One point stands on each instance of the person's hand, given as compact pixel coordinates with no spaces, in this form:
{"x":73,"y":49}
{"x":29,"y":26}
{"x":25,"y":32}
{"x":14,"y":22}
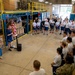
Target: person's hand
{"x":51,"y":64}
{"x":10,"y":34}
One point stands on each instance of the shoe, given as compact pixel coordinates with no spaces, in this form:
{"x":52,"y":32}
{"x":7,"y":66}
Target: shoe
{"x":60,"y":33}
{"x":15,"y":48}
{"x":9,"y":49}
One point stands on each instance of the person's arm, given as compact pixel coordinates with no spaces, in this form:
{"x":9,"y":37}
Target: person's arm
{"x":10,"y":34}
{"x":55,"y":61}
{"x":7,"y":33}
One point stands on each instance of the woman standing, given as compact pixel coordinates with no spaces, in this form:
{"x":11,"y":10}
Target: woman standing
{"x":9,"y":36}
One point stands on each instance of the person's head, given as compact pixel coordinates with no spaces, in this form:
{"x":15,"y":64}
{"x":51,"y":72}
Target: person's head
{"x":69,"y":39}
{"x":46,"y":20}
{"x":34,"y":20}
{"x":69,"y":59}
{"x":39,"y":20}
{"x":59,"y":50}
{"x":64,"y":34}
{"x":63,"y":44}
{"x":9,"y":25}
{"x":36,"y":64}
{"x":12,"y":21}
{"x":73,"y":33}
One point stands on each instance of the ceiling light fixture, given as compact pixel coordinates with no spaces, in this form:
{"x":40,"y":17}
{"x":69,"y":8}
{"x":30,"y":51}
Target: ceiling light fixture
{"x":46,"y":2}
{"x":41,"y":0}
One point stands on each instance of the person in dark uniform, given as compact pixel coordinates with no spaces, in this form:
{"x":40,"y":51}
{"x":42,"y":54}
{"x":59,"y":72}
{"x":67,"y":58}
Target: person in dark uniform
{"x":43,"y":26}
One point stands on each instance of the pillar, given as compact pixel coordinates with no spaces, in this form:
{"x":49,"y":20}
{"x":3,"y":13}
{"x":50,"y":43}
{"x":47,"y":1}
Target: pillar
{"x":49,"y":8}
{"x":73,"y":8}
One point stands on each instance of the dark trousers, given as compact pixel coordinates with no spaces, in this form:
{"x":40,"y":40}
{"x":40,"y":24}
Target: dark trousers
{"x":54,"y":69}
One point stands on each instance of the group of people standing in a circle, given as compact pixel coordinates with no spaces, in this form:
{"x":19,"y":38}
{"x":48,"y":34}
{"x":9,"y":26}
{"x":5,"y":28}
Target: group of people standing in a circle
{"x":54,"y":25}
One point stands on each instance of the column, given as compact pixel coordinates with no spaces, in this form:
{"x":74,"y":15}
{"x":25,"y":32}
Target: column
{"x":73,"y":8}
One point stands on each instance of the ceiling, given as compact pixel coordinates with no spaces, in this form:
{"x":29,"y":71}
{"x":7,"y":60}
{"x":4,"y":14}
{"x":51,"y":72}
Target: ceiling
{"x":58,"y":1}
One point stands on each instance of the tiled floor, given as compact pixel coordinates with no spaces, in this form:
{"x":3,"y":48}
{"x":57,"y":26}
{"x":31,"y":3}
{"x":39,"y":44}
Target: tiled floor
{"x":40,"y":47}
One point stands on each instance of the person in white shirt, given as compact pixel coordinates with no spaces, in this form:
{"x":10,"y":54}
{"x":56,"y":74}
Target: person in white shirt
{"x":51,"y":25}
{"x":46,"y":26}
{"x":72,"y":26}
{"x":65,"y":49}
{"x":34,"y":27}
{"x":38,"y":70}
{"x":57,"y":61}
{"x":57,"y":25}
{"x":67,"y":28}
{"x":70,"y":45}
{"x":62,"y":26}
{"x":38,"y":26}
{"x":64,"y":37}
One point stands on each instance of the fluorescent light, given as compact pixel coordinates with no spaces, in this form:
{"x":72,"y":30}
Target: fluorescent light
{"x":46,"y":2}
{"x":41,"y":0}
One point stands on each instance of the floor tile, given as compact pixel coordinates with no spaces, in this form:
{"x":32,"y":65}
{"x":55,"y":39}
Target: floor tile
{"x":6,"y":69}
